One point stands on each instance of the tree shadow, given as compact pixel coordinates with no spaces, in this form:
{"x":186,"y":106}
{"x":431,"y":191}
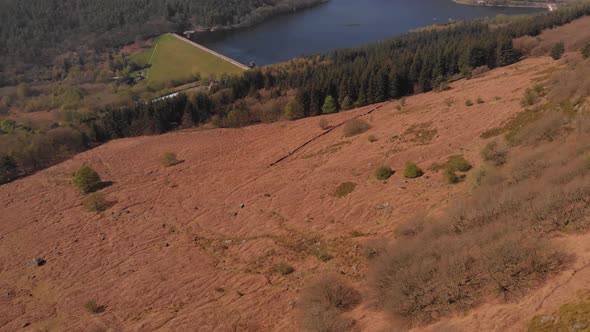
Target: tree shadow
{"x":100,"y":186}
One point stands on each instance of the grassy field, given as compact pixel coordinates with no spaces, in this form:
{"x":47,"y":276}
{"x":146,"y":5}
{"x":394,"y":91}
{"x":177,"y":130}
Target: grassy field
{"x":175,"y":60}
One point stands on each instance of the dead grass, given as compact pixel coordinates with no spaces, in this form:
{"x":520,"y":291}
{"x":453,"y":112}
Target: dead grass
{"x":571,"y":86}
{"x":546,"y":128}
{"x":328,"y":150}
{"x":421,"y":133}
{"x":514,"y":124}
{"x":323,"y":305}
{"x":569,"y":317}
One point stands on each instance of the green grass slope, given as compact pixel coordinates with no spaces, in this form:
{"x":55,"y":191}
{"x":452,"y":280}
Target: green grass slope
{"x":175,"y":60}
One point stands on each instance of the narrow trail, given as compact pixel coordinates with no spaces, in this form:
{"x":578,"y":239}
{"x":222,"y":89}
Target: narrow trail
{"x":574,"y":272}
{"x":150,"y":62}
{"x":285,"y":157}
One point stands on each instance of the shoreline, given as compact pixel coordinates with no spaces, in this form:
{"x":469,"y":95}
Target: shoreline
{"x":549,"y":6}
{"x":257,"y":20}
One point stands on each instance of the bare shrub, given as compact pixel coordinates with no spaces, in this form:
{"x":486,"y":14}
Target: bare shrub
{"x":570,"y":85}
{"x":547,"y":128}
{"x":96,"y":202}
{"x":493,"y":153}
{"x":323,"y":254}
{"x":322,"y":305}
{"x":480,"y":71}
{"x":324,"y":124}
{"x":410,"y":227}
{"x":283,"y":269}
{"x":479,"y":175}
{"x":493,"y":243}
{"x":526,"y":44}
{"x":426,"y":277}
{"x":355,"y":127}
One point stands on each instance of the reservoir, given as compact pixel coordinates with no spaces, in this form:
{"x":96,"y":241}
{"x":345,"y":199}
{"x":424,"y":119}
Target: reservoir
{"x":339,"y":24}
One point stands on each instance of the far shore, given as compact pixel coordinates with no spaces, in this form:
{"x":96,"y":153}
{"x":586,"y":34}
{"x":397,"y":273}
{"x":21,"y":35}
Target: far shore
{"x":529,"y":5}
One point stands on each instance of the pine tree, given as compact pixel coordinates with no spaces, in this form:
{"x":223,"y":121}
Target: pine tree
{"x":329,"y":105}
{"x":293,"y":111}
{"x":346,"y":103}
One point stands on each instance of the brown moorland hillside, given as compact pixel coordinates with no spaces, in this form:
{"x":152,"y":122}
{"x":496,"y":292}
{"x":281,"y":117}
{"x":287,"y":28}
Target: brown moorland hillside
{"x":222,"y":241}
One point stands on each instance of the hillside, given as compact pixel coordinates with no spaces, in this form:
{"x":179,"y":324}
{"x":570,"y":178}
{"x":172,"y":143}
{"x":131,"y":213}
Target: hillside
{"x":197,"y":244}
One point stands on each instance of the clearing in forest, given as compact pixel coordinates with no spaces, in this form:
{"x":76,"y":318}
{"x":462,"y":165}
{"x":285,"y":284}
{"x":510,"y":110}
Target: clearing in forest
{"x":173,"y":59}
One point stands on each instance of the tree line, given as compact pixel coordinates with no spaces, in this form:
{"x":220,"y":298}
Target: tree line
{"x":25,"y":150}
{"x":411,"y":63}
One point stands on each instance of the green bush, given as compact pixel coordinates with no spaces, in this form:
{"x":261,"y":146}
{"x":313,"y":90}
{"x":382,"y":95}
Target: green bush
{"x":383,"y":173}
{"x":458,"y":163}
{"x":169,"y":159}
{"x":480,"y":100}
{"x":93,"y":308}
{"x":329,"y":105}
{"x":412,"y":171}
{"x":86,"y":179}
{"x":468,"y":102}
{"x":344,"y":189}
{"x":346,"y":103}
{"x":372,"y":138}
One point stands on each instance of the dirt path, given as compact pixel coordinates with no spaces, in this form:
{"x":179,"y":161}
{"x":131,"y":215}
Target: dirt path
{"x":211,"y":52}
{"x":283,"y":158}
